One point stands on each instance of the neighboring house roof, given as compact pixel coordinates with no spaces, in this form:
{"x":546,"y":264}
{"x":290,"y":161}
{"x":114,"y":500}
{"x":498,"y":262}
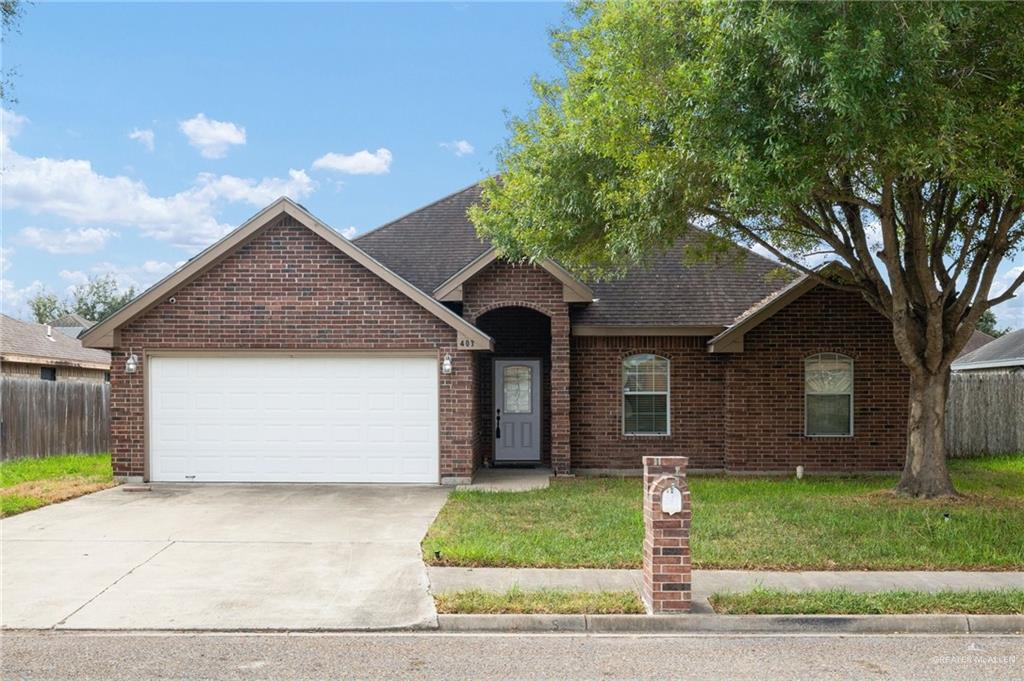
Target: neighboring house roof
{"x":104,"y":333}
{"x":432,"y":245}
{"x":71,"y":324}
{"x":977,"y":340}
{"x":1005,"y":351}
{"x":29,"y":343}
{"x":72,"y":319}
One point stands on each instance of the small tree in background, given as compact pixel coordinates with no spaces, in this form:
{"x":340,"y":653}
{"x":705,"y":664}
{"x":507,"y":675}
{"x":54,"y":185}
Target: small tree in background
{"x":46,"y":307}
{"x":96,"y":299}
{"x":99,"y":298}
{"x":886,"y":135}
{"x":988,"y":323}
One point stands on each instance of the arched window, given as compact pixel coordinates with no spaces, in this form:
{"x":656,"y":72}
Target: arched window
{"x":828,"y":395}
{"x":645,"y":387}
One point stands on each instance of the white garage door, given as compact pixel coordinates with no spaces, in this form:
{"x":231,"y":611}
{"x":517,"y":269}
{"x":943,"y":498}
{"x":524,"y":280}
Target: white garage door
{"x":311,"y":418}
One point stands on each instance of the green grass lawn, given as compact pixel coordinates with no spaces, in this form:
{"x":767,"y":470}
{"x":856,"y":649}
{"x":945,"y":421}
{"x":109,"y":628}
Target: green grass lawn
{"x":843,"y":602}
{"x":748,"y":523}
{"x":519,"y":602}
{"x":26,"y":484}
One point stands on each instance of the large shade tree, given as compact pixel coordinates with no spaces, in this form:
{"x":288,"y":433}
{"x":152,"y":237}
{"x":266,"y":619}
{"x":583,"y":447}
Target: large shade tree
{"x":888,"y":136}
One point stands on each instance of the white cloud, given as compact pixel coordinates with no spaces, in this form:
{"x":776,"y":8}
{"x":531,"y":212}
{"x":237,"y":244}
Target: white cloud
{"x":146,"y":138}
{"x":66,"y":241}
{"x":10,"y":125}
{"x":139,"y":277}
{"x":210,"y":187}
{"x":73,"y":190}
{"x":212,"y":138}
{"x":459,"y":147}
{"x":349,"y":232}
{"x":14,"y":300}
{"x":359,"y":163}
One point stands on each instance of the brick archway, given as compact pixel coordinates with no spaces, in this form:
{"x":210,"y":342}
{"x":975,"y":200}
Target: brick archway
{"x":503,"y":285}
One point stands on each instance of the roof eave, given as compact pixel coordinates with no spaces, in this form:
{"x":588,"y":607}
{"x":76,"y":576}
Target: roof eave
{"x":990,"y":364}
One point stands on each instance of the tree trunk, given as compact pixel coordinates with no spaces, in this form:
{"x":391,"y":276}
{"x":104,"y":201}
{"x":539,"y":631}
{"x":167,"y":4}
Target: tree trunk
{"x":925,"y":473}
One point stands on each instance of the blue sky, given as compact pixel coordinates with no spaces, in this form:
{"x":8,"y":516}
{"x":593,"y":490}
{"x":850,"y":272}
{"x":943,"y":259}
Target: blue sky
{"x":421,"y":89}
{"x":142,"y":132}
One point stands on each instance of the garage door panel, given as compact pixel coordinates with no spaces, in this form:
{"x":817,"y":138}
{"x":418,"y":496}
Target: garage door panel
{"x":293,"y":419}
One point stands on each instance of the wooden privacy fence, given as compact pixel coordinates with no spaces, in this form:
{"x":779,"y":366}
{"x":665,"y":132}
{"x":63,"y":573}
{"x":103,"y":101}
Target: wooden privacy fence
{"x":46,"y":418}
{"x":985,"y":414}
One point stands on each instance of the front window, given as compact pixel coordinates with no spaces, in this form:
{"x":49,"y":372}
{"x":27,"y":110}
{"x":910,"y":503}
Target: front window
{"x":518,"y":386}
{"x":645,"y":380}
{"x":828,"y":395}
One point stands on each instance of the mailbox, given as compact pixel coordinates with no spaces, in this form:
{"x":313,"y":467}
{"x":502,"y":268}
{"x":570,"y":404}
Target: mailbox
{"x":671,"y":500}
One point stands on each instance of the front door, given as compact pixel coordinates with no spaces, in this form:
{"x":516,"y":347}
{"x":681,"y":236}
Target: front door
{"x":517,"y":409}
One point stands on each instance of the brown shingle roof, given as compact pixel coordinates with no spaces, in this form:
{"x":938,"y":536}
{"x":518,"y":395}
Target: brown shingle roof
{"x":429,"y":245}
{"x":668,"y":292}
{"x":23,"y":340}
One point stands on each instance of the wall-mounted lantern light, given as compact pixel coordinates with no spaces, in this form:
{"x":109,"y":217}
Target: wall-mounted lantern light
{"x":446,"y":364}
{"x":131,"y":365}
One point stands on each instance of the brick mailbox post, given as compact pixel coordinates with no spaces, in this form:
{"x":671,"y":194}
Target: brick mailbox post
{"x":667,"y":564}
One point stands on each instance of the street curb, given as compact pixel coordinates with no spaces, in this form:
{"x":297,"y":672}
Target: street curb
{"x":740,"y":624}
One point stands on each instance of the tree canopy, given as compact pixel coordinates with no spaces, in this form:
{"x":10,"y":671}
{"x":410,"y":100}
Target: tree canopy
{"x":886,"y":135}
{"x":95,"y":299}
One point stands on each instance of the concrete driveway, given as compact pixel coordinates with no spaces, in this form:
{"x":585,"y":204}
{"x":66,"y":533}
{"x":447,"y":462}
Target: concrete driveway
{"x":222,"y":557}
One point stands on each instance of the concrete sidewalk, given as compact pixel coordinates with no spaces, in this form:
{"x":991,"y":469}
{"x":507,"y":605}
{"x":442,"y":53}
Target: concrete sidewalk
{"x":707,"y":582}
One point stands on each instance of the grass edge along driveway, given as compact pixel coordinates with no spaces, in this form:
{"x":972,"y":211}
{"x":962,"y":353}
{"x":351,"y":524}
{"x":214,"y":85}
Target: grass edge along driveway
{"x":27,"y":484}
{"x":852,"y":523}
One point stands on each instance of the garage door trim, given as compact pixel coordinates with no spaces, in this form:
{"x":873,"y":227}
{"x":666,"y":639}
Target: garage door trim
{"x":147,"y":354}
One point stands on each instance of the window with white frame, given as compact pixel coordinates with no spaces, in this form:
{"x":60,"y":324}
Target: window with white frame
{"x":645,"y":381}
{"x":828,"y":395}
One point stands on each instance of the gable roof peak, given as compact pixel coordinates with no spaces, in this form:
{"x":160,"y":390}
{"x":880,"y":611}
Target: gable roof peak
{"x":104,"y":334}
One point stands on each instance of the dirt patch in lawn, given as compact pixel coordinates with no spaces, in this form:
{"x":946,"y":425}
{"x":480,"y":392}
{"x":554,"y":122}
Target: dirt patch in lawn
{"x":32,"y":494}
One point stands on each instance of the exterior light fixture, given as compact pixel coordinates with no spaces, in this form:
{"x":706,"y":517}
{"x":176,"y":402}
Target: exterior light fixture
{"x":131,"y":365}
{"x":446,"y":364}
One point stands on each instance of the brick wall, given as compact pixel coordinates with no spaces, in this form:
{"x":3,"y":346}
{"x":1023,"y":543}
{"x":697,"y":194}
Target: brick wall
{"x":695,"y":404}
{"x":502,"y":284}
{"x":287,"y":289}
{"x":745,"y":411}
{"x":765,"y":388}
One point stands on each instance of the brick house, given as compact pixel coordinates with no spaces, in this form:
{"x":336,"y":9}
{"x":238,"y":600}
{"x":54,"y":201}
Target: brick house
{"x":412,"y":353}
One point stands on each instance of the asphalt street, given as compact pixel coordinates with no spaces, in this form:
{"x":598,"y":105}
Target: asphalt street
{"x":68,"y":655}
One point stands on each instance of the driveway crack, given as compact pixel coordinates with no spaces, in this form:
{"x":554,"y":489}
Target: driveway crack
{"x":112,"y":584}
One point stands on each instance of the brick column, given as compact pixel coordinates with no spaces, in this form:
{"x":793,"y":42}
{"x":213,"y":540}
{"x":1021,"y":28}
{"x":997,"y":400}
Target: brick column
{"x":667,"y":564}
{"x":561,"y":458}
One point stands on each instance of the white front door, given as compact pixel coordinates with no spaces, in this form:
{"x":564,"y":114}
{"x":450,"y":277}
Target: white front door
{"x":517,"y":410}
{"x":298,"y":418}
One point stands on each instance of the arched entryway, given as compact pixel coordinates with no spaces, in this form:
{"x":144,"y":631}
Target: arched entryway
{"x":516,"y":377}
